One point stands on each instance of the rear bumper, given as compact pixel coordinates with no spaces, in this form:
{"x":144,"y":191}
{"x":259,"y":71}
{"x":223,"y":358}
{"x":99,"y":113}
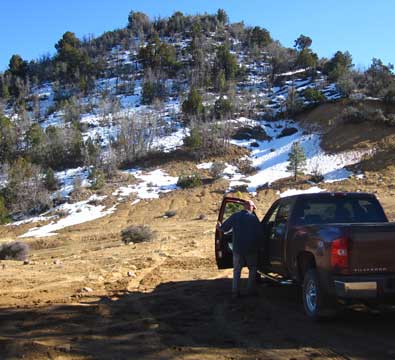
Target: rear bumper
{"x":366,"y":287}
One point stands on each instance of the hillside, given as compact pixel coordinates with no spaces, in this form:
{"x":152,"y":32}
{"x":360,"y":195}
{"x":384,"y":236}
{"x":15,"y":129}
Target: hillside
{"x":188,"y":88}
{"x":153,"y":124}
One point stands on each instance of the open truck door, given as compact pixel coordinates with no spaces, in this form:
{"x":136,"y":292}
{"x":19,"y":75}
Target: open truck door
{"x":223,"y":241}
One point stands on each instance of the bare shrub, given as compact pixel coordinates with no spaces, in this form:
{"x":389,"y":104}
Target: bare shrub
{"x":359,"y":114}
{"x":208,"y":139}
{"x":137,"y":234}
{"x":217,"y":169}
{"x":15,"y":250}
{"x":316,"y":177}
{"x":25,"y":192}
{"x":245,"y":166}
{"x":135,"y":139}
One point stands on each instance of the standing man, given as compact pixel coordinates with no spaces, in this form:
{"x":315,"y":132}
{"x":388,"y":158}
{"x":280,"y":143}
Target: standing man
{"x":246,"y":236}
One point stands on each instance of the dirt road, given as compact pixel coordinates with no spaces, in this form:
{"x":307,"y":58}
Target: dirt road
{"x":90,"y":297}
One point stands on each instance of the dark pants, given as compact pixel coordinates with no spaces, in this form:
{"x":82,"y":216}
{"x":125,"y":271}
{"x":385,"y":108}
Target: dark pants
{"x":239,"y":261}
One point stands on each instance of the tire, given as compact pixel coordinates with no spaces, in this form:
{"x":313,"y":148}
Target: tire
{"x":317,"y":303}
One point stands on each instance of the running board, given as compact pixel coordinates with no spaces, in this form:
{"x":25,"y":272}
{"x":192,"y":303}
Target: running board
{"x":277,"y":278}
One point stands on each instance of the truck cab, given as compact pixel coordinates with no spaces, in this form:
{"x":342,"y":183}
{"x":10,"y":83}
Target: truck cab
{"x":337,"y":246}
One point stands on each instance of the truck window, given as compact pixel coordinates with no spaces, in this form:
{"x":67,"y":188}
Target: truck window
{"x":273,"y":216}
{"x":281,"y":219}
{"x":283,"y":213}
{"x":231,"y":208}
{"x":339,"y":210}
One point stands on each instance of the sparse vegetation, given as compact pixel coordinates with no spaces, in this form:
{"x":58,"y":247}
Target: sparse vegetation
{"x":314,"y":95}
{"x":202,"y":61}
{"x":15,"y":250}
{"x":207,"y":140}
{"x":137,"y":234}
{"x":25,"y":192}
{"x":223,"y":108}
{"x":360,"y":114}
{"x":97,"y":178}
{"x":189,"y":181}
{"x":246,"y":167}
{"x":316,"y":176}
{"x":217,"y":169}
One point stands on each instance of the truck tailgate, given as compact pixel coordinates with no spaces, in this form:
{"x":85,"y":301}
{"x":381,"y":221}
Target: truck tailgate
{"x":372,"y":248}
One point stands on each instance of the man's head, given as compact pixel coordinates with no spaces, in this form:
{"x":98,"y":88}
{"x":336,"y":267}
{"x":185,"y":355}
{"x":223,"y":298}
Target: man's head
{"x":249,"y":206}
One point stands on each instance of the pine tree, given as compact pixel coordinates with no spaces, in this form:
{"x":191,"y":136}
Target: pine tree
{"x":303,"y":42}
{"x":4,"y":216}
{"x":50,"y":180}
{"x":8,"y":139}
{"x":193,"y":105}
{"x":297,"y":160}
{"x":222,"y":16}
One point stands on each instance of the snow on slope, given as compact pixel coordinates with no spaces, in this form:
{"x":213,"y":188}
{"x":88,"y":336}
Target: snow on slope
{"x":68,"y":178}
{"x":78,"y":213}
{"x":149,"y":185}
{"x":101,"y":121}
{"x":271,"y":157}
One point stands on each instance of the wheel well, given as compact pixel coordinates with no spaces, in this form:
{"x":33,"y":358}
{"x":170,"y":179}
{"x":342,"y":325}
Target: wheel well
{"x":306,"y":261}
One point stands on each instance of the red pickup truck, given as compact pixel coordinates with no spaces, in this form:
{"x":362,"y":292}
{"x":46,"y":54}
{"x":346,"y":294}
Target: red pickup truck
{"x":339,"y":247}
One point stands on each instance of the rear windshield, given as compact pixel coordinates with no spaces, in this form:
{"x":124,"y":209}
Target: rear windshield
{"x":338,"y":210}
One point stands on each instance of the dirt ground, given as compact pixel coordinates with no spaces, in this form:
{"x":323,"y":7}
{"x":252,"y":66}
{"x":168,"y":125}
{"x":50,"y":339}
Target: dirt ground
{"x":86,"y":295}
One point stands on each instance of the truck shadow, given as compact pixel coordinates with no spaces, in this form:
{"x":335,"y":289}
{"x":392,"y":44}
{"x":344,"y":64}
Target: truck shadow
{"x":189,"y":316}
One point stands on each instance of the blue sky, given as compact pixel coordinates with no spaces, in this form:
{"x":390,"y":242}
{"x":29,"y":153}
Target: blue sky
{"x":30,"y":28}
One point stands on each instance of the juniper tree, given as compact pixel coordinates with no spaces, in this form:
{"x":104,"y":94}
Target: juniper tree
{"x":296,"y":159}
{"x":303,"y":42}
{"x":338,"y":65}
{"x":50,"y":181}
{"x":193,"y":105}
{"x":8,"y":139}
{"x":4,"y":216}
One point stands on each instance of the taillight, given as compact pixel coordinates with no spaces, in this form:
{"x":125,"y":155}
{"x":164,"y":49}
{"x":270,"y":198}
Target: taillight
{"x":339,"y":254}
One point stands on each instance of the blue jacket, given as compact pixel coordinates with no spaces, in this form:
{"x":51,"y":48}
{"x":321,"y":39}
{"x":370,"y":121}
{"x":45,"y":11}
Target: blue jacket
{"x":247,"y":232}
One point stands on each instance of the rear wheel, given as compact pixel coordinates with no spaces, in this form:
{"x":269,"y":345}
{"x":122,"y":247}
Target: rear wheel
{"x":317,"y":303}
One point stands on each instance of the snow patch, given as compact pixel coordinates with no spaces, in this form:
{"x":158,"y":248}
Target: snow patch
{"x":78,"y":213}
{"x":270,"y":158}
{"x":67,"y":179}
{"x":149,"y":185}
